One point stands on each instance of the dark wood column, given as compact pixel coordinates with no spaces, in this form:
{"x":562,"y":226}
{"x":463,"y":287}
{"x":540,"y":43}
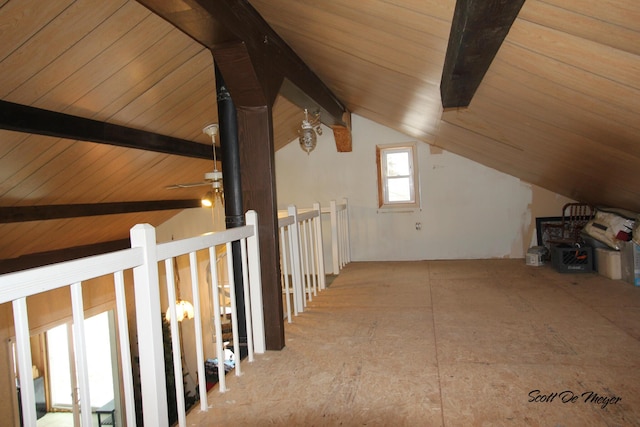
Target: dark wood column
{"x":259,"y":193}
{"x":257,"y":65}
{"x":253,"y":88}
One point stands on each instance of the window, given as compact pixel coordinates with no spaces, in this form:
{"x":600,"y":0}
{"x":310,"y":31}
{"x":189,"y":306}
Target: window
{"x":398,"y":184}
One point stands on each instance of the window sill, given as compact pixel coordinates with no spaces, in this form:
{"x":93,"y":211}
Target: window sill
{"x":398,"y":209}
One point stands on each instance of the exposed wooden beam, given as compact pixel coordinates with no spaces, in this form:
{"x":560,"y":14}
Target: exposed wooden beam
{"x":247,"y":87}
{"x":296,"y":91}
{"x":479,"y":27}
{"x":23,"y":118}
{"x":217,"y":23}
{"x":47,"y":212}
{"x":51,"y":257}
{"x":342,"y":135}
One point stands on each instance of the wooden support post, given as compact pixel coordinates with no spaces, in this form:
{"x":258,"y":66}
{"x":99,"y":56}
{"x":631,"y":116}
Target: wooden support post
{"x":257,"y":158}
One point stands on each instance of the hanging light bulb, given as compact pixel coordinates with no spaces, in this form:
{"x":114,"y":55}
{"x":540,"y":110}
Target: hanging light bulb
{"x":207,"y":200}
{"x":217,"y":192}
{"x":308,"y":130}
{"x":184,"y":310}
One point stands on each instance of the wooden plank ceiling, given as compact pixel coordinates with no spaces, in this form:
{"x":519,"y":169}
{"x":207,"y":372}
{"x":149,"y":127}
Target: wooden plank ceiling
{"x":559,"y":106}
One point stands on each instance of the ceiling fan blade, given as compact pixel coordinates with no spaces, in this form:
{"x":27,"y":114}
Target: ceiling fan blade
{"x":187,"y":185}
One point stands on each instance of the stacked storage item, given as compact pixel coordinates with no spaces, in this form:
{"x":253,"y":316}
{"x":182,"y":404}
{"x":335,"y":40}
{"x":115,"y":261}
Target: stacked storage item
{"x":571,"y":259}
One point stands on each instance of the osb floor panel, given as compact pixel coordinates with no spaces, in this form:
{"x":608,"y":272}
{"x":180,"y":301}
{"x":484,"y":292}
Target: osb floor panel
{"x":448,"y":343}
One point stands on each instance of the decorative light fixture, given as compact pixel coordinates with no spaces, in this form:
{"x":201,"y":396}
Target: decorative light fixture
{"x":184,"y":309}
{"x":308,"y":130}
{"x":207,"y":200}
{"x":215,"y":177}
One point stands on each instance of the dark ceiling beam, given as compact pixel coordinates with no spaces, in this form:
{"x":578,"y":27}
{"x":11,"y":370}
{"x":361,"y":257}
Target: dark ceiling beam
{"x":23,"y":118}
{"x":46,"y":212}
{"x":215,"y":24}
{"x":39,"y":259}
{"x":479,"y":27}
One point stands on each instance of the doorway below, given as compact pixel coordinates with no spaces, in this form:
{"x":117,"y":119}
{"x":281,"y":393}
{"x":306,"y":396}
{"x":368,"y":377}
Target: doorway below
{"x":60,"y":357}
{"x":55,"y":377}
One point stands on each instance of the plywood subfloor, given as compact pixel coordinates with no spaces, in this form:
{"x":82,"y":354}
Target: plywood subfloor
{"x":448,"y":343}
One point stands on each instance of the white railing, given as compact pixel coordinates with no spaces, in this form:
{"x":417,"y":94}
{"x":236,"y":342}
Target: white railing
{"x":289,"y":264}
{"x":340,"y":233}
{"x":301,"y":257}
{"x":302,"y":254}
{"x":340,"y":249}
{"x":143,"y":258}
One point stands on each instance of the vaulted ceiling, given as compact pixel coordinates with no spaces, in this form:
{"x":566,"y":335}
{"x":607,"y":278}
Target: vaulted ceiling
{"x":559,"y":106}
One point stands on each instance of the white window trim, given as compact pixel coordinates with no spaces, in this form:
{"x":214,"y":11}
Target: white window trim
{"x":383,"y":203}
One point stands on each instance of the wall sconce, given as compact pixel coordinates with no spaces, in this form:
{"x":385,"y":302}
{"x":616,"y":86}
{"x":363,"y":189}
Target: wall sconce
{"x":308,"y":130}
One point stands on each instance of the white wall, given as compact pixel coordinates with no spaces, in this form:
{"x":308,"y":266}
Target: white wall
{"x":468,"y":210}
{"x":191,"y":223}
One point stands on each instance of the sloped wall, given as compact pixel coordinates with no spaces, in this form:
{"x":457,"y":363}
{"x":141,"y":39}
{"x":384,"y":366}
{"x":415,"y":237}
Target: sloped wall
{"x":468,"y":211}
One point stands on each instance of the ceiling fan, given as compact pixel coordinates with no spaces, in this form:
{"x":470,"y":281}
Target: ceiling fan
{"x":214,"y":178}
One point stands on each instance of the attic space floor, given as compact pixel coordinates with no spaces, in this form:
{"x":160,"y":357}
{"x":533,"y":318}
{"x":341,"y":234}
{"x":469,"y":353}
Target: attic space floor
{"x":448,"y":343}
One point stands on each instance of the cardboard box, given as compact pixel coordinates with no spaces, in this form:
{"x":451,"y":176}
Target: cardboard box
{"x":609,"y":263}
{"x":630,"y":262}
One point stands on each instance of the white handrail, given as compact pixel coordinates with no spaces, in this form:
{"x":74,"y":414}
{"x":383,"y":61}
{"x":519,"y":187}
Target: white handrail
{"x":23,"y":350}
{"x":217,"y":324}
{"x":296,"y":259}
{"x":247,"y":301}
{"x":125,"y":350}
{"x":149,"y":328}
{"x":255,"y":282}
{"x":234,"y":311}
{"x":143,"y":258}
{"x":49,"y":277}
{"x":340,"y":246}
{"x":175,"y":342}
{"x":317,"y":221}
{"x":304,"y":259}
